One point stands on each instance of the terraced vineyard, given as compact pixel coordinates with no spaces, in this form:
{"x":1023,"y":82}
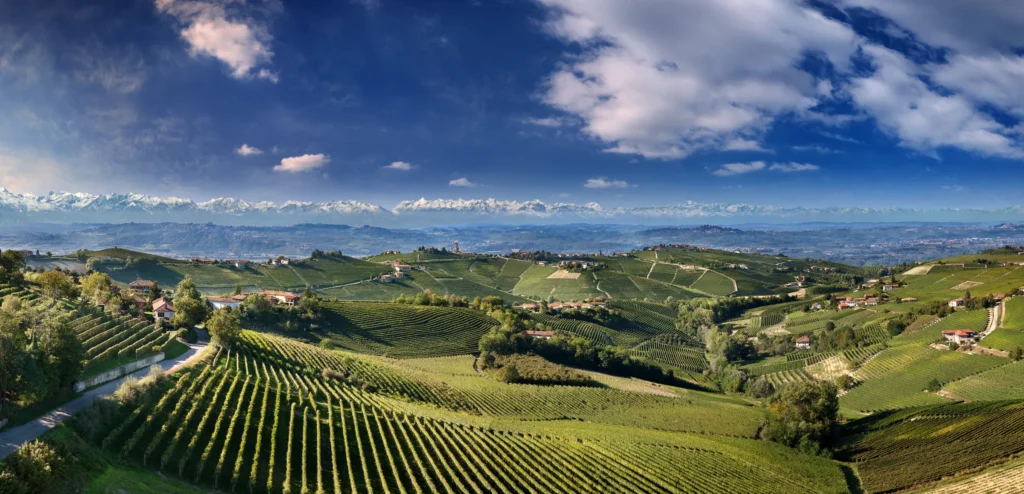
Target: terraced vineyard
{"x":114,"y":340}
{"x":888,"y":449}
{"x":672,"y":352}
{"x":401,"y":330}
{"x":254,"y":422}
{"x":1001,"y":383}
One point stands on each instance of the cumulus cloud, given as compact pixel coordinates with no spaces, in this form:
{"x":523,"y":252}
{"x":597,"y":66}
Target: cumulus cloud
{"x":247,"y":150}
{"x":400,"y":165}
{"x":240,"y":42}
{"x":793,"y":167}
{"x":667,"y":79}
{"x":925,"y":119}
{"x":302,"y":163}
{"x":815,"y":148}
{"x":604,"y":183}
{"x":730,"y":169}
{"x":461,"y":182}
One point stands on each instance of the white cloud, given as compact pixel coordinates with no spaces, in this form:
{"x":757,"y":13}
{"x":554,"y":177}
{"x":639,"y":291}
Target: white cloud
{"x":923,"y":119}
{"x":604,"y":183}
{"x":793,"y":167}
{"x":400,"y":165}
{"x":238,"y":41}
{"x":740,"y":144}
{"x":247,"y":150}
{"x":461,"y":182}
{"x":666,"y":79}
{"x":302,"y":163}
{"x":730,"y":169}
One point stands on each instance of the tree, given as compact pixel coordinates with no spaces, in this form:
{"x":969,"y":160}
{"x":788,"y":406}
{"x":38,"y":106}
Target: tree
{"x":237,"y":290}
{"x":804,"y":415}
{"x":13,"y":358}
{"x":844,"y":381}
{"x":1016,"y":354}
{"x":934,"y":385}
{"x":11,"y":265}
{"x":97,"y":288}
{"x":12,"y":304}
{"x":309,"y":304}
{"x":225,"y":325}
{"x":59,"y":350}
{"x":186,"y":290}
{"x":56,"y":284}
{"x":189,"y":312}
{"x":155,"y":292}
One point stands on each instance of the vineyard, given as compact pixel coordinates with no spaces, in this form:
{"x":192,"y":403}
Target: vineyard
{"x":401,"y":330}
{"x":108,"y":341}
{"x":672,"y":352}
{"x":889,"y":448}
{"x":240,"y":422}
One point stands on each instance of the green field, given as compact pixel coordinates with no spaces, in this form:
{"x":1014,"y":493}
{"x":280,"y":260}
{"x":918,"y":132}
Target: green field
{"x":401,"y":330}
{"x":714,"y":283}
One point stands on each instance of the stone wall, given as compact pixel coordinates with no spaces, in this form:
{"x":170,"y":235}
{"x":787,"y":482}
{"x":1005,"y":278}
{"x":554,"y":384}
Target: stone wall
{"x":112,"y":374}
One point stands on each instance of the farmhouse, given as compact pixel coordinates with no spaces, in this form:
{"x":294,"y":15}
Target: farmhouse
{"x":279,"y":297}
{"x":141,"y":286}
{"x":908,"y":299}
{"x":803,"y":343}
{"x":889,"y":287}
{"x":539,"y":334}
{"x":402,"y":268}
{"x":530,"y":307}
{"x":163,"y":308}
{"x":140,"y":303}
{"x":960,"y":336}
{"x":386,"y":278}
{"x":957,"y":302}
{"x":222,"y":302}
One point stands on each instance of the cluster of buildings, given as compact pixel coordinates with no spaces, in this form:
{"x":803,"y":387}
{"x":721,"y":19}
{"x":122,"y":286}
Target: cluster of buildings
{"x":869,"y":299}
{"x":560,"y":306}
{"x":163,"y":307}
{"x":238,"y":263}
{"x":399,"y":271}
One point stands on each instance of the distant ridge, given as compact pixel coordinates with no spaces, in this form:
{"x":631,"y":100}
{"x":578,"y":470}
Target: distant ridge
{"x":66,"y":207}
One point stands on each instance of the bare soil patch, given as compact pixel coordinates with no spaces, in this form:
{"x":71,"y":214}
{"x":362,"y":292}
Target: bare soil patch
{"x":562,"y":274}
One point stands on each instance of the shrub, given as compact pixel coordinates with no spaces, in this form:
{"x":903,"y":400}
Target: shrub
{"x":95,"y":420}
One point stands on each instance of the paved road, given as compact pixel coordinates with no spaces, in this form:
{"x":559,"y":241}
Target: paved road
{"x":15,"y":437}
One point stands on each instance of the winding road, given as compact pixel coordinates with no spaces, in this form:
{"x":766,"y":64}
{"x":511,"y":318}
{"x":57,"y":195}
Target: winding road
{"x":15,"y":437}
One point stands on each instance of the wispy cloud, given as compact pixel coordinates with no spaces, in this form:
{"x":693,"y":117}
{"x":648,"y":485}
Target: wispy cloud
{"x":552,"y":122}
{"x":793,"y":167}
{"x":302,"y":163}
{"x":604,"y":183}
{"x":400,"y":165}
{"x":815,"y":148}
{"x":740,"y":144}
{"x":461,"y":182}
{"x":730,"y":169}
{"x":247,"y":150}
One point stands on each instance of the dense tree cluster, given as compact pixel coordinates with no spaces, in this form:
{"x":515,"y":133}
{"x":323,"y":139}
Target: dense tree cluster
{"x":804,"y":415}
{"x":320,"y":254}
{"x":40,"y":353}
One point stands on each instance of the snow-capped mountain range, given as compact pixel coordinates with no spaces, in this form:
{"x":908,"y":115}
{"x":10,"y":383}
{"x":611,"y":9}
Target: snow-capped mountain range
{"x":67,"y":207}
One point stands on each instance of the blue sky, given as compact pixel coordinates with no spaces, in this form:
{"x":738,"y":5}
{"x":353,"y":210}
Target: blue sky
{"x":843,"y":103}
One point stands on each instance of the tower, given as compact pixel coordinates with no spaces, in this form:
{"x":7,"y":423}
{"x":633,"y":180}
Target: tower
{"x":456,"y":247}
